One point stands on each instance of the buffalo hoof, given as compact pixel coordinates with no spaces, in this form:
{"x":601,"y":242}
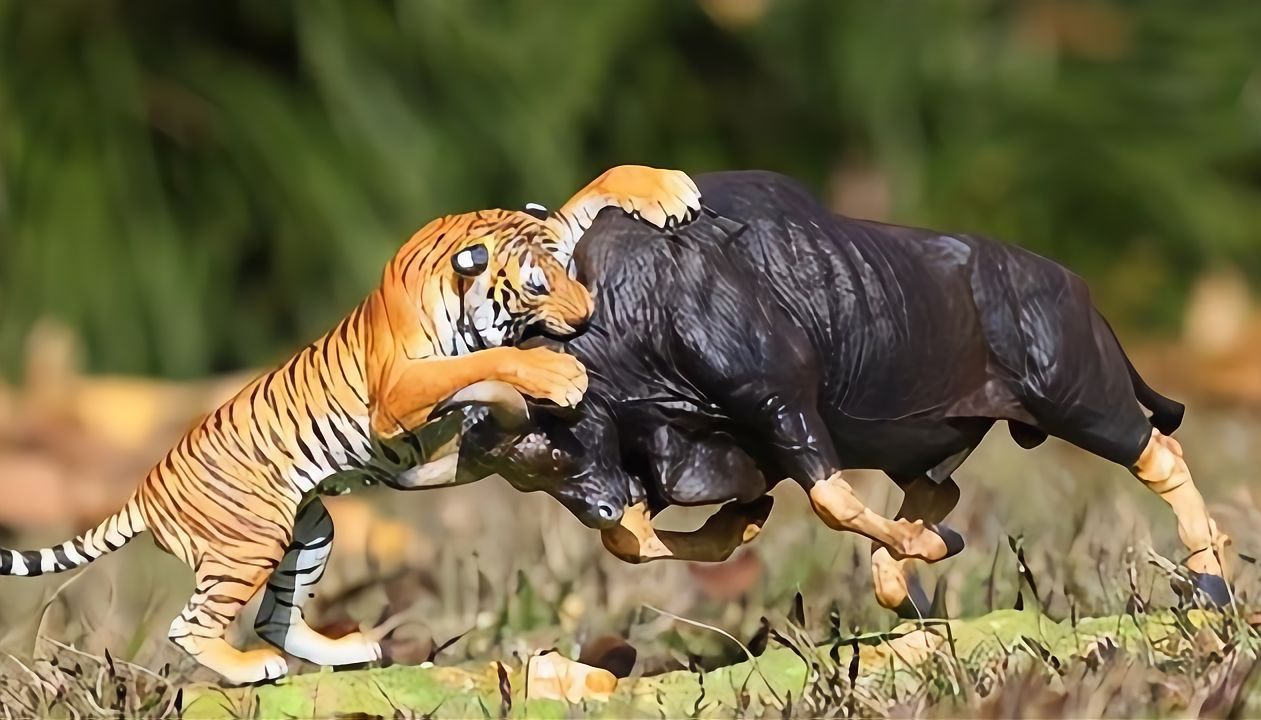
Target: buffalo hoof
{"x":953,"y":540}
{"x":916,"y":605}
{"x":1211,"y":587}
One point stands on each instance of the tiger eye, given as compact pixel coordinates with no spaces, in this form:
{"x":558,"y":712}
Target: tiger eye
{"x":471,"y":261}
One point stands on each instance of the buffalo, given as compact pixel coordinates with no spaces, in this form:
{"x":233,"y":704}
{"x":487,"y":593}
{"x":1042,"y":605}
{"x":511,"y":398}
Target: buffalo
{"x":771,"y":339}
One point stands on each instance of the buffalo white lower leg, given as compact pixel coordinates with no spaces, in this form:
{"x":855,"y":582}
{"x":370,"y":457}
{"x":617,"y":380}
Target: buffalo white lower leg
{"x":923,"y":500}
{"x":635,"y":540}
{"x":1164,"y":471}
{"x":836,"y":504}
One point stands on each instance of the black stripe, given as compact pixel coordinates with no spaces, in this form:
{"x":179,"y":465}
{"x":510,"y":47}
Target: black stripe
{"x":221,"y":618}
{"x":254,"y":433}
{"x":389,"y":453}
{"x":63,"y":560}
{"x":281,"y":601}
{"x":456,"y":327}
{"x":435,"y":245}
{"x":194,"y":620}
{"x":333,"y":463}
{"x":34,"y":568}
{"x":316,"y":545}
{"x":6,"y":562}
{"x":277,"y":444}
{"x":297,"y":433}
{"x":195,"y":453}
{"x":228,"y":529}
{"x":341,"y":437}
{"x":246,"y":514}
{"x":304,"y":475}
{"x":181,"y":518}
{"x":225,"y":599}
{"x":234,"y":451}
{"x":274,"y":585}
{"x":300,"y":571}
{"x":272,"y":502}
{"x":326,"y":344}
{"x":210,"y":581}
{"x":302,"y":445}
{"x":261,"y":457}
{"x":267,"y":390}
{"x":291,"y":369}
{"x":258,"y":387}
{"x":343,"y":337}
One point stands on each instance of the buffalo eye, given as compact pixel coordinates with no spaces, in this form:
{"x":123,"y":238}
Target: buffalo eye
{"x":471,"y":261}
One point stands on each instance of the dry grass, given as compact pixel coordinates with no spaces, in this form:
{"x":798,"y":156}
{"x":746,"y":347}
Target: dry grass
{"x":512,"y":573}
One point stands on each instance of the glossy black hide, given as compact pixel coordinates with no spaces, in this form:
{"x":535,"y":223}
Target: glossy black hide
{"x":771,"y":339}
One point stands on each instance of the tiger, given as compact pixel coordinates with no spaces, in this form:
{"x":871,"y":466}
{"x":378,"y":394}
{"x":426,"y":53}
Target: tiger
{"x":237,"y":498}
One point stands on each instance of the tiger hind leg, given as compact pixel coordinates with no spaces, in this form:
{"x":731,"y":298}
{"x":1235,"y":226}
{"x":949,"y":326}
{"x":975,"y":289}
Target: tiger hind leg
{"x":280,"y":618}
{"x":223,"y":587}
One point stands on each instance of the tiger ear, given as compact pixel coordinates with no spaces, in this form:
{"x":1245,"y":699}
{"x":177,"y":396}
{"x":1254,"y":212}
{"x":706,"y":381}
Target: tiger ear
{"x":471,"y":261}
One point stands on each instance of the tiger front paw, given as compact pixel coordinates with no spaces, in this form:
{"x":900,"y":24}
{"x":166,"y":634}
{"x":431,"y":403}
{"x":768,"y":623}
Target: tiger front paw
{"x":663,"y":198}
{"x":548,"y":375}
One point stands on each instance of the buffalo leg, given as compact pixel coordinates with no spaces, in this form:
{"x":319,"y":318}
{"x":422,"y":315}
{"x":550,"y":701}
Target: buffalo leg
{"x":929,"y":502}
{"x":836,"y":504}
{"x":807,"y":455}
{"x":1163,"y":470}
{"x":635,"y":540}
{"x":803,"y":451}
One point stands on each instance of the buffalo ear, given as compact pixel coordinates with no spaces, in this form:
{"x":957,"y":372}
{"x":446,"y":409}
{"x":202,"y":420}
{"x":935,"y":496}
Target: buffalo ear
{"x":471,"y":261}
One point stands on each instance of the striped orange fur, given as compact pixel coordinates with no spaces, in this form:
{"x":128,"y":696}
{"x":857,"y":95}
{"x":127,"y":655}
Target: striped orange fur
{"x":237,"y":498}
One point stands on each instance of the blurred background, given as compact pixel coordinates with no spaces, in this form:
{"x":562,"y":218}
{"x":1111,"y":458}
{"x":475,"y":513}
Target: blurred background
{"x":188,"y":191}
{"x":198,"y":187}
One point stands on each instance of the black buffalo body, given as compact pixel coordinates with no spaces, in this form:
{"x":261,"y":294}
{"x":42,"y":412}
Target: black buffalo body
{"x":771,"y":339}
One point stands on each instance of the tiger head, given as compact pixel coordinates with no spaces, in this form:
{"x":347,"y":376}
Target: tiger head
{"x":491,"y":278}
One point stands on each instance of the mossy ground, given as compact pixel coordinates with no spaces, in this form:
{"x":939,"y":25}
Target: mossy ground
{"x":813,"y":676}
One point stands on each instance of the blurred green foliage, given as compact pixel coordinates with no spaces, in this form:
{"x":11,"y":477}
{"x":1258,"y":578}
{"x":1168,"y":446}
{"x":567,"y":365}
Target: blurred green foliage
{"x":198,"y":186}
